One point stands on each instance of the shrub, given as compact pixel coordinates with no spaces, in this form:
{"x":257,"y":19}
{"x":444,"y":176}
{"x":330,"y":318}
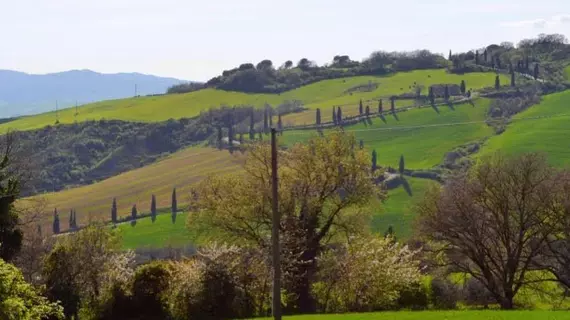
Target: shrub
{"x":366,"y":274}
{"x":444,"y":294}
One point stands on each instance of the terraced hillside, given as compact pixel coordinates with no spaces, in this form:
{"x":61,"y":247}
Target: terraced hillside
{"x":543,"y":127}
{"x":323,"y":94}
{"x":422,"y":136}
{"x":181,"y":170}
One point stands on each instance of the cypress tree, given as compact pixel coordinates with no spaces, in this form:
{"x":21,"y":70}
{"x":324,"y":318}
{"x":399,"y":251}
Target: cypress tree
{"x":260,"y":136}
{"x":485,"y":55}
{"x":74,"y":219}
{"x":360,"y":108}
{"x":393,"y":103}
{"x":251,"y":126}
{"x":476,"y":57}
{"x":367,"y":111}
{"x":134,"y":215}
{"x":279,"y":122}
{"x":462,"y":87}
{"x":374,"y":160}
{"x":339,"y":116}
{"x":498,"y":62}
{"x":334,"y":116}
{"x":446,"y":93}
{"x":431,"y":96}
{"x":402,"y":165}
{"x":174,"y":205}
{"x":527,"y":66}
{"x":390,"y":233}
{"x":318,"y":117}
{"x":231,"y":137}
{"x":71,"y":219}
{"x":153,"y":208}
{"x":220,"y":137}
{"x":55,"y":222}
{"x":449,"y":58}
{"x":535,"y":71}
{"x":380,"y":109}
{"x":270,"y":116}
{"x":265,"y":121}
{"x":241,"y":138}
{"x":497,"y":82}
{"x":114,"y":211}
{"x":513,"y":79}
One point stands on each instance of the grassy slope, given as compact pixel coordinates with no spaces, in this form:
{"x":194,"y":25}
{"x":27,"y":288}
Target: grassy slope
{"x":567,"y":71}
{"x":395,"y":211}
{"x":422,"y":147}
{"x":549,"y":135}
{"x":161,"y":233}
{"x":181,"y":169}
{"x":446,"y":315}
{"x":322,"y":94}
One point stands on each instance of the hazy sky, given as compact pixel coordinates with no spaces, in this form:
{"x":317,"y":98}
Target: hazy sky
{"x":196,"y":40}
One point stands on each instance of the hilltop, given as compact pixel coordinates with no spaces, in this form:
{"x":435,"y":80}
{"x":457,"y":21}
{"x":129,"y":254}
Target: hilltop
{"x":323,"y":94}
{"x":23,"y":94}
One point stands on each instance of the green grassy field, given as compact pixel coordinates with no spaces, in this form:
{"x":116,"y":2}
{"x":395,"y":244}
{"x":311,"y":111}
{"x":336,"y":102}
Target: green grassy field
{"x":548,"y":135}
{"x":422,"y":136}
{"x":323,"y":94}
{"x":443,"y":315}
{"x":182,"y":169}
{"x":162,"y":233}
{"x":396,"y":211}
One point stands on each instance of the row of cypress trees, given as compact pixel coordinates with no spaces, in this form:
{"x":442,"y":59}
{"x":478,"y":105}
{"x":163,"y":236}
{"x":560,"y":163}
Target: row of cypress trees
{"x":153,"y":209}
{"x":56,"y":227}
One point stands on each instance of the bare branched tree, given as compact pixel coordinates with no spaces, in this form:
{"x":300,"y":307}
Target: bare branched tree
{"x":494,"y":222}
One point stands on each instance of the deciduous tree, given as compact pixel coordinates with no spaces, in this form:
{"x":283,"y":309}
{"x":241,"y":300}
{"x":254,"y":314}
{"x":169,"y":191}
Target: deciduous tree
{"x":493,"y":223}
{"x":20,"y":300}
{"x":10,"y":183}
{"x":322,"y":185}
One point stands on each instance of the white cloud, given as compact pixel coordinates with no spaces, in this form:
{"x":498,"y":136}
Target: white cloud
{"x":554,"y":21}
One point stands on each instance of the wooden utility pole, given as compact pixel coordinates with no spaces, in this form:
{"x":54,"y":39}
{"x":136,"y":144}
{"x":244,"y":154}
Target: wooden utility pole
{"x":275,"y":230}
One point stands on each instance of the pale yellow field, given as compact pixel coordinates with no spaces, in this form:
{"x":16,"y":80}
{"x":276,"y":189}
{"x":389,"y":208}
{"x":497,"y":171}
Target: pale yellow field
{"x":181,"y":170}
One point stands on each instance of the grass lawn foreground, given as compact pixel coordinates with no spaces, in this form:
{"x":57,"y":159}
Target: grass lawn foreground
{"x":442,"y":315}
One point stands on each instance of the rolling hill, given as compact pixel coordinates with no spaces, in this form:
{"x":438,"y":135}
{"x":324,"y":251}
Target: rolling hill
{"x":543,"y":127}
{"x":24,"y":94}
{"x":422,"y":136}
{"x":180,"y":170}
{"x":396,"y":211}
{"x":323,"y":94}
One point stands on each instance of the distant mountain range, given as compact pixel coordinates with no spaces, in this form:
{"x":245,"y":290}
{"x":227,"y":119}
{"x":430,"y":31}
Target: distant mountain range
{"x":24,"y":94}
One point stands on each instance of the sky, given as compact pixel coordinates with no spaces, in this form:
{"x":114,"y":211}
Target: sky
{"x":198,"y":39}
